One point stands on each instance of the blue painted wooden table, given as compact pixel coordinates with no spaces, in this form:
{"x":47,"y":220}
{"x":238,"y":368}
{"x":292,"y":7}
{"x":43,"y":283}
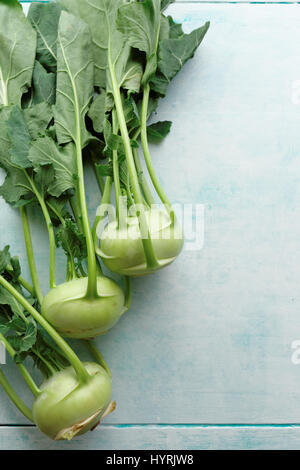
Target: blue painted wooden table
{"x":205,"y":358}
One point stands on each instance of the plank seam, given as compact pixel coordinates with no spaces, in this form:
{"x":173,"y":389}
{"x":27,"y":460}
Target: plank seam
{"x":182,"y":426}
{"x":221,"y":2}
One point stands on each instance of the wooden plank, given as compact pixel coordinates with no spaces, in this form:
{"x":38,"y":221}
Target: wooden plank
{"x":209,"y":339}
{"x":158,"y":438}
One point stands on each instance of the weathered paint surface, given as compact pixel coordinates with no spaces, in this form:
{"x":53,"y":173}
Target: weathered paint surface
{"x":208,"y":340}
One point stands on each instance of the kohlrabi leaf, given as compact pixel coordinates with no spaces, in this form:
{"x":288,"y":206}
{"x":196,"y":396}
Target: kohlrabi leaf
{"x":57,"y":206}
{"x":93,"y":13}
{"x":17,"y":53}
{"x":100,"y":15}
{"x":140,"y":23}
{"x":25,"y":341}
{"x":173,"y":54}
{"x":165,"y":4}
{"x":112,"y":141}
{"x":44,"y":151}
{"x":43,"y":86}
{"x":131,"y":113}
{"x":23,"y":126}
{"x":75,"y":80}
{"x":175,"y":29}
{"x":4,"y":259}
{"x":19,"y":132}
{"x":100,"y":106}
{"x":16,"y":184}
{"x":9,"y":300}
{"x":72,"y":241}
{"x":44,"y":19}
{"x":38,"y":118}
{"x":158,"y":131}
{"x":19,"y":137}
{"x":43,"y":179}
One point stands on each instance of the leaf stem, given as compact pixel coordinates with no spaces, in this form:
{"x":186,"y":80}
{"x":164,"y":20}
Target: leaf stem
{"x":146,"y":190}
{"x":98,"y":356}
{"x":116,"y":168}
{"x":24,"y":372}
{"x":145,"y":147}
{"x":92,"y":263}
{"x":99,"y":177}
{"x":50,"y":230}
{"x":82,"y":373}
{"x":76,"y":212}
{"x":105,"y":200}
{"x":27,"y":286}
{"x":30,"y":256}
{"x":47,"y":364}
{"x":151,"y":259}
{"x":14,"y":397}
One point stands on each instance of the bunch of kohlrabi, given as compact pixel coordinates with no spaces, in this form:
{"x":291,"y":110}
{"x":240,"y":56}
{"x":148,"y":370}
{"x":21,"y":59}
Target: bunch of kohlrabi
{"x":79,"y":80}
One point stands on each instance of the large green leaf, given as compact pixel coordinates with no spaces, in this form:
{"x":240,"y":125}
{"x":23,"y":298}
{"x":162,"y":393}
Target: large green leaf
{"x":43,"y":87}
{"x":44,"y":19}
{"x":18,"y":128}
{"x":140,"y":23}
{"x":38,"y":118}
{"x":75,"y":79}
{"x":19,"y":137}
{"x":165,"y":4}
{"x":174,"y":53}
{"x":108,"y":42}
{"x":17,"y":53}
{"x":44,"y":151}
{"x":97,"y":111}
{"x":16,"y":184}
{"x":158,"y":131}
{"x":24,"y":342}
{"x":72,"y":241}
{"x":4,"y":258}
{"x":23,"y":126}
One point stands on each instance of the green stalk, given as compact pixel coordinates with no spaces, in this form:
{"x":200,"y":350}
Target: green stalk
{"x":92,"y":292}
{"x":98,"y":356}
{"x":105,"y":200}
{"x":145,"y":147}
{"x":82,"y":373}
{"x":70,"y":262}
{"x":99,"y":177}
{"x":30,"y":256}
{"x":14,"y":397}
{"x":50,"y":230}
{"x":47,"y":364}
{"x":27,"y":286}
{"x":92,"y":264}
{"x":76,"y":212}
{"x":116,"y":167}
{"x":26,"y":376}
{"x":150,"y":256}
{"x":146,"y":190}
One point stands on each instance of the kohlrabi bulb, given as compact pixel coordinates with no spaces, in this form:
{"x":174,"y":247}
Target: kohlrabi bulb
{"x":122,"y":249}
{"x":65,"y":408}
{"x":73,"y":315}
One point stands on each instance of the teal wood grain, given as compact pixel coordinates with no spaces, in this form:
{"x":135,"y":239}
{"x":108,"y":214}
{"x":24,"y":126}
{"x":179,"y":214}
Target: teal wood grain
{"x":151,"y":437}
{"x":208,"y":340}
